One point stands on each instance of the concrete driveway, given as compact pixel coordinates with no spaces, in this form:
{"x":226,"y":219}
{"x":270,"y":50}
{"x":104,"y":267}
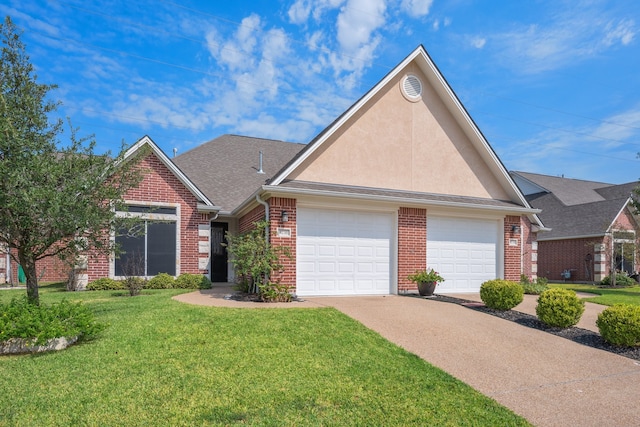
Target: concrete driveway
{"x":548,"y":380}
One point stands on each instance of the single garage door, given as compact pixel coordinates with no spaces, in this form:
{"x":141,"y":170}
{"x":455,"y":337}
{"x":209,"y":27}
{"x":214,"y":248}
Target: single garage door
{"x":343,"y":252}
{"x":464,"y":252}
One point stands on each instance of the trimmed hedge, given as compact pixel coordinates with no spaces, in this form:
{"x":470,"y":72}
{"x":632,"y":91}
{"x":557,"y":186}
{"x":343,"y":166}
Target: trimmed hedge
{"x":105,"y":284}
{"x":192,"y":281}
{"x":161,"y":281}
{"x":501,"y":294}
{"x":559,"y":308}
{"x":620,"y":325}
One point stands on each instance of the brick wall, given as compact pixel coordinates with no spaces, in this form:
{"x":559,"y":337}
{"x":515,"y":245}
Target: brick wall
{"x":412,"y":245}
{"x":576,"y":255}
{"x":276,"y":206}
{"x":160,"y":185}
{"x":513,"y":245}
{"x":247,"y":220}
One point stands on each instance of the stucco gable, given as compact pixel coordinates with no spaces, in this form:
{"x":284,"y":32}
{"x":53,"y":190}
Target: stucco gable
{"x":387,"y":140}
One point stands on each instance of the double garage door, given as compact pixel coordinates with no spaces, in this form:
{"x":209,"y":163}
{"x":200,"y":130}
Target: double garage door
{"x":343,"y":252}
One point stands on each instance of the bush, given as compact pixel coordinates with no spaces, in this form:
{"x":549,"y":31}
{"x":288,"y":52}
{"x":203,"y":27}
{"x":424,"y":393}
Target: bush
{"x":20,"y":319}
{"x":105,"y":284}
{"x":559,"y":308}
{"x":161,"y":281}
{"x":620,"y":325}
{"x":134,"y":285}
{"x":501,"y":294}
{"x":192,"y":281}
{"x":535,"y":287}
{"x":621,"y":280}
{"x":275,"y":292}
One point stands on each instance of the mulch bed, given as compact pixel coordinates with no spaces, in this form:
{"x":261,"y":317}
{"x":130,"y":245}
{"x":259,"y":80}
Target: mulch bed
{"x":578,"y":335}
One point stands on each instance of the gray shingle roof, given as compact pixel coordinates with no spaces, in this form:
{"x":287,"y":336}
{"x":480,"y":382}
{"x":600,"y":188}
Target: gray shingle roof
{"x":576,"y":208}
{"x":226,"y":168}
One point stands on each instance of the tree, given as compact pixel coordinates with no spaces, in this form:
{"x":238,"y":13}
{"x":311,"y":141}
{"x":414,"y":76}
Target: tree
{"x":55,"y":199}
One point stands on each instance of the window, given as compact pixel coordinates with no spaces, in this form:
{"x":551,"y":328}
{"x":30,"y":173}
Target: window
{"x":149,"y":252}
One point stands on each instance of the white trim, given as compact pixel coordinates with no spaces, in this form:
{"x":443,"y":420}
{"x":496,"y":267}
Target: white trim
{"x":626,"y":204}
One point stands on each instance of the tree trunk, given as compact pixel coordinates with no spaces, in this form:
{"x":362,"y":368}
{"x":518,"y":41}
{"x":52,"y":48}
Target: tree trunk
{"x":29,"y":268}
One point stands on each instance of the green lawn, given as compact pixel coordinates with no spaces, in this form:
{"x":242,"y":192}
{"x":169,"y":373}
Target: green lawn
{"x":606,"y":296}
{"x":161,"y":362}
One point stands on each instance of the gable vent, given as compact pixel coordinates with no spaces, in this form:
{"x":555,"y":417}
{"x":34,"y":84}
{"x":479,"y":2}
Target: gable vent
{"x":412,"y":86}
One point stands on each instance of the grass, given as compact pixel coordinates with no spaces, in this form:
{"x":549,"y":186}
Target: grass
{"x":162,"y":362}
{"x":606,"y":296}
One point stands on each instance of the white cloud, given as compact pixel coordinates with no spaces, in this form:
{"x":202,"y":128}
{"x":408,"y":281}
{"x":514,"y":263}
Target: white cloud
{"x":570,"y":36}
{"x":478,"y":42}
{"x":416,"y":8}
{"x":299,"y":11}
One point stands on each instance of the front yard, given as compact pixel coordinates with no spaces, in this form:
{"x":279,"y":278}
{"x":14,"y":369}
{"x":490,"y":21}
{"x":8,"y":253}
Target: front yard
{"x":161,"y":362}
{"x":606,"y":296}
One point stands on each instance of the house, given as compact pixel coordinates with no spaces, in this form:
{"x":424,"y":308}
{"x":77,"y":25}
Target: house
{"x":584,"y":218}
{"x":402,"y":180}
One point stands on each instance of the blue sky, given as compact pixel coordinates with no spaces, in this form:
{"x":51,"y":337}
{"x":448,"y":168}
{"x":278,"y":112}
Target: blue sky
{"x":553,"y":85}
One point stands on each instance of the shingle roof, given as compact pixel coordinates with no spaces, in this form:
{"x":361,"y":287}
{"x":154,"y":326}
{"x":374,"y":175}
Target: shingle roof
{"x":226,"y":168}
{"x":576,"y":208}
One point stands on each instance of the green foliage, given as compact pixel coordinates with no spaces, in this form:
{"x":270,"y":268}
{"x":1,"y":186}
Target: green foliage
{"x":50,"y":191}
{"x":426,"y":276}
{"x":620,"y":325}
{"x":20,"y":319}
{"x":253,"y":257}
{"x":105,"y":284}
{"x":622,"y":280}
{"x":275,"y":292}
{"x":192,"y":281}
{"x":533,"y":287}
{"x":501,"y":294}
{"x":559,"y":308}
{"x":161,"y":281}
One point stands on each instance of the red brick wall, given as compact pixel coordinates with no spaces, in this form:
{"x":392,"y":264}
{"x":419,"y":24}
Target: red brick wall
{"x":247,"y":220}
{"x":160,"y":185}
{"x":513,"y":260}
{"x":529,"y":250}
{"x":555,"y":256}
{"x":412,"y":245}
{"x":276,"y":206}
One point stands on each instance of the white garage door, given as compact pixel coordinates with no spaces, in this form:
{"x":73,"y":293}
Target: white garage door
{"x":343,"y":252}
{"x":464,"y":252}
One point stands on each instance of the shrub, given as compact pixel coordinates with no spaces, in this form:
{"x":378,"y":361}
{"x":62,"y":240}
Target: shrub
{"x":20,"y":319}
{"x":192,"y":281}
{"x":275,"y":292}
{"x":161,"y":281}
{"x":535,"y":287}
{"x":620,"y":325}
{"x":621,"y":280}
{"x":501,"y":294}
{"x":559,"y":307}
{"x":134,"y":285}
{"x":105,"y":284}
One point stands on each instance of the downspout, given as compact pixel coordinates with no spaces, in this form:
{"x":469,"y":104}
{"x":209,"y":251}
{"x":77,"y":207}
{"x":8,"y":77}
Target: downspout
{"x":266,"y":215}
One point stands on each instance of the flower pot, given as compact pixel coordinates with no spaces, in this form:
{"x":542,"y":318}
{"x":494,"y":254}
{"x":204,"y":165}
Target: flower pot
{"x":426,"y":289}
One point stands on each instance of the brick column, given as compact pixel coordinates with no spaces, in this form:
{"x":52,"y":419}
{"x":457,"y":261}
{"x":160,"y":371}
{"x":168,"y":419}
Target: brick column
{"x":412,"y":245}
{"x":284,"y":234}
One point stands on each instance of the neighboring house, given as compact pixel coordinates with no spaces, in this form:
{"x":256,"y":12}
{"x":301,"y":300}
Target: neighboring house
{"x":402,"y":180}
{"x":584,"y":218}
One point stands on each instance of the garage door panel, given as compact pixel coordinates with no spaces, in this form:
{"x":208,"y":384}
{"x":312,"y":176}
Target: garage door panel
{"x":463,"y":250}
{"x":356,"y":244}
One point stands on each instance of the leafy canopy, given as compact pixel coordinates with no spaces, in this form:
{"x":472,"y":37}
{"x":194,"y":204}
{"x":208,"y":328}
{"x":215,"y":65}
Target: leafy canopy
{"x":56,"y":199}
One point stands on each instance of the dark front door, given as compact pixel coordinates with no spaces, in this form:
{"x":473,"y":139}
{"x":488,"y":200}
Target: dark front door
{"x":218,"y":252}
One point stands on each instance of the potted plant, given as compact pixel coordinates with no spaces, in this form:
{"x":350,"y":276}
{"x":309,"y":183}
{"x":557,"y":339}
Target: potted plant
{"x":426,"y":280}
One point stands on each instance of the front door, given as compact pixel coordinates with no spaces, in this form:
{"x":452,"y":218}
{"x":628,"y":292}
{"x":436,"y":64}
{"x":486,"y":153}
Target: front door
{"x":218,"y":252}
